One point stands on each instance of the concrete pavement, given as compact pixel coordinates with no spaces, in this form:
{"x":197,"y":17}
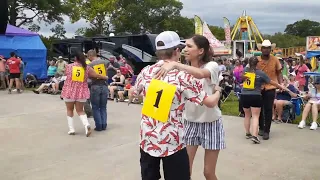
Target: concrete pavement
{"x":35,"y":146}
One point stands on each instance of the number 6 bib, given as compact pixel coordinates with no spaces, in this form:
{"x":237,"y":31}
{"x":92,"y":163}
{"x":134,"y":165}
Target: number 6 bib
{"x":77,"y":74}
{"x":158,"y":100}
{"x":249,"y":83}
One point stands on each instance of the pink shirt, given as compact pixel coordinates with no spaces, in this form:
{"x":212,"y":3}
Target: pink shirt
{"x":237,"y":72}
{"x":74,"y":89}
{"x":300,"y":77}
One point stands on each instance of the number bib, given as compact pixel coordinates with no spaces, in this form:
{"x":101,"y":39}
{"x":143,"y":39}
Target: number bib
{"x":77,"y":74}
{"x":100,"y":69}
{"x":158,"y":100}
{"x":249,"y":83}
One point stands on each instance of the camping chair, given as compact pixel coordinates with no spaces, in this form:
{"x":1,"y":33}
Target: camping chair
{"x":226,"y":89}
{"x":292,"y":110}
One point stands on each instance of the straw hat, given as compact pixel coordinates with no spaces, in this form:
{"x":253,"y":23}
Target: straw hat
{"x":266,"y":43}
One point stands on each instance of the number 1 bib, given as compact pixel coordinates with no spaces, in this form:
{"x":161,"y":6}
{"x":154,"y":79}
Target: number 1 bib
{"x":100,"y":69}
{"x":77,"y":74}
{"x":158,"y":100}
{"x":249,"y":83}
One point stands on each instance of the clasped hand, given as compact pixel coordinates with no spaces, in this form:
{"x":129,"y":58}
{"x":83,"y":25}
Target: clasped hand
{"x":165,"y":68}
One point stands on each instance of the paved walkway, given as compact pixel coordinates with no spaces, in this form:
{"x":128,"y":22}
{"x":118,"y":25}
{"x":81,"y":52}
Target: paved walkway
{"x":35,"y":146}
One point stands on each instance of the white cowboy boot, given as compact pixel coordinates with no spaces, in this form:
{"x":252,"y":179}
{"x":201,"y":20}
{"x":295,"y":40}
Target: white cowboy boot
{"x":86,"y":124}
{"x":71,"y":126}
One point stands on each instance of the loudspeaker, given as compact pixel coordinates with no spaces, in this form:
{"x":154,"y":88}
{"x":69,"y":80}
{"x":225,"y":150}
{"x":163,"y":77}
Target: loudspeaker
{"x":3,"y":16}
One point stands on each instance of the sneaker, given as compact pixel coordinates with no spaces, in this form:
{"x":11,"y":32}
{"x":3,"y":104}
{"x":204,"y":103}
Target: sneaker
{"x":260,"y":133}
{"x":248,"y":135}
{"x":255,"y":140}
{"x":71,"y":133}
{"x":265,"y":136}
{"x":302,"y":124}
{"x":314,"y":126}
{"x":15,"y":90}
{"x":88,"y":130}
{"x":35,"y":91}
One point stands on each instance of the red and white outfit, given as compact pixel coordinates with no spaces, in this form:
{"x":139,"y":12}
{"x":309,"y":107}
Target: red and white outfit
{"x":75,"y":91}
{"x":164,"y":139}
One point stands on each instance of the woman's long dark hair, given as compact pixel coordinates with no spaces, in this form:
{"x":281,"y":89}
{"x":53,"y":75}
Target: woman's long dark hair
{"x":202,"y":42}
{"x":81,"y":59}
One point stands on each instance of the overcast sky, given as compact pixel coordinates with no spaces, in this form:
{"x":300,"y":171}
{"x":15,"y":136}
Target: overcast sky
{"x":269,"y":15}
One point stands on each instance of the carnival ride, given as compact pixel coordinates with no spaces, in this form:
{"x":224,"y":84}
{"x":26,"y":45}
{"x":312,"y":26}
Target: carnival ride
{"x":246,"y":28}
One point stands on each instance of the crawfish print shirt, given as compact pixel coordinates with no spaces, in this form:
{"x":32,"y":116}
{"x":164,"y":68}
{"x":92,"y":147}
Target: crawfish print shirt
{"x":164,"y":139}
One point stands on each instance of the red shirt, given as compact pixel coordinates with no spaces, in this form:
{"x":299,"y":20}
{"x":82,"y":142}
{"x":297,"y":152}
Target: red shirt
{"x":14,"y":65}
{"x":128,"y":86}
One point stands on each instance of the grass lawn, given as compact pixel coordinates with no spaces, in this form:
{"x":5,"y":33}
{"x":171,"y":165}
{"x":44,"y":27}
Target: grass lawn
{"x":230,"y":108}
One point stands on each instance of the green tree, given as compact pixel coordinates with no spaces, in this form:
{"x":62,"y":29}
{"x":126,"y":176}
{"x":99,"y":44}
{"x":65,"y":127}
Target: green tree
{"x":303,"y":28}
{"x":141,"y":16}
{"x":48,"y":11}
{"x":218,"y":32}
{"x":286,"y":40}
{"x":95,"y":12}
{"x":182,"y":25}
{"x":34,"y":28}
{"x":58,"y":32}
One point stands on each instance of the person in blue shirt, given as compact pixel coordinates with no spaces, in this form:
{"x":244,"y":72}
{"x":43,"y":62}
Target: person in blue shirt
{"x":52,"y":69}
{"x":283,"y":98}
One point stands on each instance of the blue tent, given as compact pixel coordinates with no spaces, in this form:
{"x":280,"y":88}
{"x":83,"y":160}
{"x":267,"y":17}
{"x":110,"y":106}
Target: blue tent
{"x":311,"y":54}
{"x":28,"y":46}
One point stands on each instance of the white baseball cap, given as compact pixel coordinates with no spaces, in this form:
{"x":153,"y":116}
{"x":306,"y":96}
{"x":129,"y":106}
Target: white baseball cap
{"x":170,"y":39}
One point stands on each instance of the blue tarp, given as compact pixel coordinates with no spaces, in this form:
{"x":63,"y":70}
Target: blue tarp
{"x":311,"y":54}
{"x":30,"y":48}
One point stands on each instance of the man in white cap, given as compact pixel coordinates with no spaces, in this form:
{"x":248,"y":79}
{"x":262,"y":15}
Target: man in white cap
{"x":272,"y":67}
{"x":161,"y":129}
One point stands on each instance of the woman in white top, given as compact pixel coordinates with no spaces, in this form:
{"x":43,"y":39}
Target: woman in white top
{"x":203,"y":126}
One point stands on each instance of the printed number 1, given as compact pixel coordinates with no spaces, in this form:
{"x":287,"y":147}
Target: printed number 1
{"x":156,"y":104}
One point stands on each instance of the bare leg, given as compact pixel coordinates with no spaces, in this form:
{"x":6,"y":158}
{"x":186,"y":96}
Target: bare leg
{"x":112,"y":88}
{"x":121,"y":95}
{"x":255,"y":121}
{"x":210,"y":163}
{"x":306,"y":111}
{"x":314,"y":112}
{"x":18,"y":85}
{"x":192,"y":150}
{"x":247,"y":117}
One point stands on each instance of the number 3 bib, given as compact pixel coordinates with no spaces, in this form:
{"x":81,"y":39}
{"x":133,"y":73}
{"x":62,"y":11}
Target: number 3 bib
{"x":158,"y":100}
{"x":77,"y":74}
{"x":249,"y":83}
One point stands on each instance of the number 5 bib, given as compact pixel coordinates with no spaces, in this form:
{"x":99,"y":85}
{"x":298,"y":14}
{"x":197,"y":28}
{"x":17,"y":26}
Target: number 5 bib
{"x":77,"y":74}
{"x":158,"y":100}
{"x":100,"y":69}
{"x":249,"y":83}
